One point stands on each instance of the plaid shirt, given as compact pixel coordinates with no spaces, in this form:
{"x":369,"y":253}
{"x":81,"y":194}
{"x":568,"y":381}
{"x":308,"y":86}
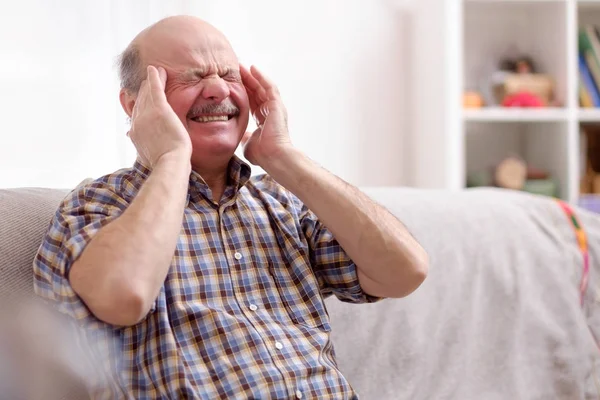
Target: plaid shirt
{"x":241,"y":313}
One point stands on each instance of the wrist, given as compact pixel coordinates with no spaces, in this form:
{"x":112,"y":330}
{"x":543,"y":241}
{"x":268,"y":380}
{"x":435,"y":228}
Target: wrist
{"x":177,"y":160}
{"x":281,"y":160}
{"x":293,"y":170}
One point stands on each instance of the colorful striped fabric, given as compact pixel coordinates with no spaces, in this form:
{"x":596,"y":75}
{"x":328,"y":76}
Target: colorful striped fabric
{"x":582,"y":241}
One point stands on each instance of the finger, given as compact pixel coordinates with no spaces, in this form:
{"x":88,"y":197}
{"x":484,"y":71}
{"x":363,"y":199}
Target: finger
{"x":259,"y":96}
{"x":265,"y":83}
{"x":253,"y":87}
{"x":249,"y":81}
{"x":264,"y":110}
{"x":254,"y":103}
{"x":258,"y":115}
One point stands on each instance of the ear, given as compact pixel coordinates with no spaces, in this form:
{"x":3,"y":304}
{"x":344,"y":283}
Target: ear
{"x":127,"y":101}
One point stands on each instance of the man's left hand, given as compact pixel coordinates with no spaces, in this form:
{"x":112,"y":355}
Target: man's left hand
{"x":389,"y":261}
{"x":271,"y":139}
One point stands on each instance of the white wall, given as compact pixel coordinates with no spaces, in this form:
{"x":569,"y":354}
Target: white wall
{"x":57,"y":121}
{"x":343,"y":67}
{"x":436,"y":144}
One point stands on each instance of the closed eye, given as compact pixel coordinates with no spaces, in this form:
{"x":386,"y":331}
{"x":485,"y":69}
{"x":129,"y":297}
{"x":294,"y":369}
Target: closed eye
{"x":233,"y":76}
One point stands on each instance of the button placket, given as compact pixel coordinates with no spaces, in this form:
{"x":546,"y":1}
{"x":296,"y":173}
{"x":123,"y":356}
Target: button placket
{"x":250,"y":308}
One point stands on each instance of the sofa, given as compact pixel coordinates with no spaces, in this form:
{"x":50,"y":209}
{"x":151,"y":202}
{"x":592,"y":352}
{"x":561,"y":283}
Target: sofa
{"x":503,"y":313}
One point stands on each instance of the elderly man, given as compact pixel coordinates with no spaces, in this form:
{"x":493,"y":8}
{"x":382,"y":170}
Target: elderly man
{"x":212,"y":280}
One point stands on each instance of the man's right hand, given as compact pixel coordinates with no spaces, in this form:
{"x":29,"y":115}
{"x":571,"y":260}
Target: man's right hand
{"x":156,"y":130}
{"x":120,"y":273}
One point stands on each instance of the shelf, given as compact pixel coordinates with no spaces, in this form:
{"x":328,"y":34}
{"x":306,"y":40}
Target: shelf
{"x":521,"y":1}
{"x":499,"y":114}
{"x":589,"y":114}
{"x":481,"y":34}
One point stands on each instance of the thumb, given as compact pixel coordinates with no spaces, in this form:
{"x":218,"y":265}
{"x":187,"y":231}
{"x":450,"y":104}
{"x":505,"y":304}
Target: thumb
{"x":162,"y":74}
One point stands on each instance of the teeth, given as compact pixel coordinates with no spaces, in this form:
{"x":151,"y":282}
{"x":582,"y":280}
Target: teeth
{"x":211,"y":118}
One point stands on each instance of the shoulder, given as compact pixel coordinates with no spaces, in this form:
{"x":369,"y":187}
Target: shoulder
{"x":269,"y":190}
{"x":89,"y":206}
{"x":116,"y":189}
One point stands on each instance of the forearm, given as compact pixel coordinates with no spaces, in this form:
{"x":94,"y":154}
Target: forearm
{"x":390,"y":262}
{"x":122,"y":269}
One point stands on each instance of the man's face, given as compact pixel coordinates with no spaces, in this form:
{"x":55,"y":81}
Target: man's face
{"x":205,"y":90}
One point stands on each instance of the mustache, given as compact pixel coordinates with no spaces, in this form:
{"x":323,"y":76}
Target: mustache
{"x":212,"y":108}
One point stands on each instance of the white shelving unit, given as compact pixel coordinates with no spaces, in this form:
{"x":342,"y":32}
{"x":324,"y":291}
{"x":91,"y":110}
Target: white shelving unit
{"x":476,"y":35}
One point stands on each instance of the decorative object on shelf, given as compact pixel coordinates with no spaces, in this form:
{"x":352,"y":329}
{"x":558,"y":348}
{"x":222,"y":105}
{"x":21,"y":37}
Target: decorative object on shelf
{"x":544,"y":187}
{"x":511,"y":173}
{"x":526,"y":90}
{"x":534,"y":173}
{"x":524,"y":66}
{"x":473,"y":99}
{"x":516,"y":174}
{"x":519,"y":65}
{"x":517,"y":83}
{"x":522,"y":99}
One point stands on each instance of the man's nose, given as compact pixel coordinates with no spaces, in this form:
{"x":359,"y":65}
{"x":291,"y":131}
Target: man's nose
{"x":215,"y":89}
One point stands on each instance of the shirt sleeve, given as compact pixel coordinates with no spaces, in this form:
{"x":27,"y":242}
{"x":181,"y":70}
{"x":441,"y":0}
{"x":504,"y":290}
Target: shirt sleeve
{"x":77,"y":220}
{"x":335,"y":271}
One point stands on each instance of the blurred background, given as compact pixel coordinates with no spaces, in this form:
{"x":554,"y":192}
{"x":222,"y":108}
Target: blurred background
{"x":343,"y":67}
{"x":443,"y":94}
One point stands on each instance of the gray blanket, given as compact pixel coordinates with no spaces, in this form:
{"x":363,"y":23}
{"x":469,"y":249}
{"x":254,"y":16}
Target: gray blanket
{"x":499,"y":316}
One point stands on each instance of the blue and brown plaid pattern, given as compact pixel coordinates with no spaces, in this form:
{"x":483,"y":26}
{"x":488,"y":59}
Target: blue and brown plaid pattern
{"x":241,"y":312}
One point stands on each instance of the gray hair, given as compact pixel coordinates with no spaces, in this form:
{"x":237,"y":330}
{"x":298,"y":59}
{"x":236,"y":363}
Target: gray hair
{"x":130,"y":68}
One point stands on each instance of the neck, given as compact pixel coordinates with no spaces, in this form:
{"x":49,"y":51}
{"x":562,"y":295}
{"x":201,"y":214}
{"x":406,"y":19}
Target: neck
{"x":215,"y":178}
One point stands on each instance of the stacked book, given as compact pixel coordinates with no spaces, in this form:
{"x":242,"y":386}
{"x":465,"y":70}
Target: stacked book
{"x":589,"y":66}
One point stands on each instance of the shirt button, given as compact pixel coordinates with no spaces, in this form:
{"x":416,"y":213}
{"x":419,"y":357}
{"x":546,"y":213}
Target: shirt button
{"x":238,"y":256}
{"x":253,"y":307}
{"x":298,"y":394}
{"x":278,"y":345}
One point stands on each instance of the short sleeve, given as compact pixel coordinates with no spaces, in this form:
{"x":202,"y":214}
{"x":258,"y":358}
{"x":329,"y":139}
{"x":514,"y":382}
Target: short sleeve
{"x":335,"y":271}
{"x":77,"y":220}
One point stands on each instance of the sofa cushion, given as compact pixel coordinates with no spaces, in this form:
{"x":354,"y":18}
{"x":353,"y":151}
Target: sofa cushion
{"x":24,"y":217}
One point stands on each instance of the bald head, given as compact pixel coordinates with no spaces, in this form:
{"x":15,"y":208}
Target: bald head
{"x":163,"y":41}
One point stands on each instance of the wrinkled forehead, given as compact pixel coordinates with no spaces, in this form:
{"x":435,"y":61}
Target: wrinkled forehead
{"x":191,"y":49}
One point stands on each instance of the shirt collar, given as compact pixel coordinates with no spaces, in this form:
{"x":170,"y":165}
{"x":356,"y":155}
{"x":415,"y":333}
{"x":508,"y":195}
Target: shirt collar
{"x":238,"y":174}
{"x":141,"y":169}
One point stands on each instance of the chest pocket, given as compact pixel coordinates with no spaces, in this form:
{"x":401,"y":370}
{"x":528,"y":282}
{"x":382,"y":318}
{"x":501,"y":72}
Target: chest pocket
{"x":299,"y":292}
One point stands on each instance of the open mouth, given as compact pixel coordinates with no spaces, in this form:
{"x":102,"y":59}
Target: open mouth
{"x":221,"y":117}
{"x":211,"y":118}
